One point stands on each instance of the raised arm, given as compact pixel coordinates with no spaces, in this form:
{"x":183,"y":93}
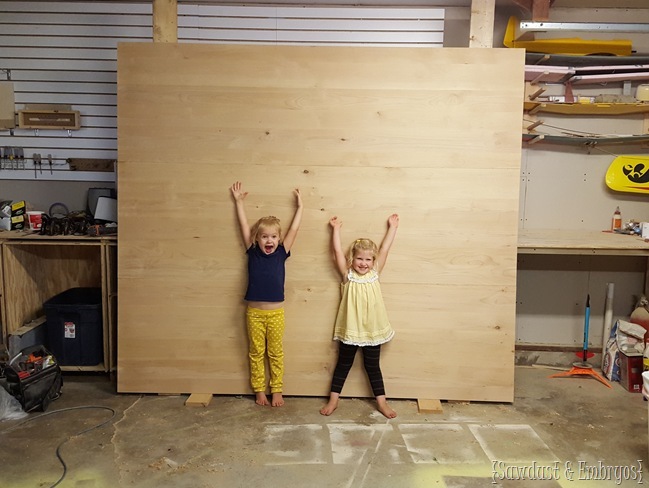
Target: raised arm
{"x":291,"y":234}
{"x":239,"y":196}
{"x":339,"y":256}
{"x":384,"y":250}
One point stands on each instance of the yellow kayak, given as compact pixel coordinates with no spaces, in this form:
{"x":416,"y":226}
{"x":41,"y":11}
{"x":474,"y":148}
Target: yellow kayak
{"x":629,"y":173}
{"x":572,"y":45}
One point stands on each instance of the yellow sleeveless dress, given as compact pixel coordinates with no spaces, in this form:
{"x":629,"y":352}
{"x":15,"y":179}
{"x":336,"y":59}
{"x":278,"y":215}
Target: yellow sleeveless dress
{"x":362,"y":319}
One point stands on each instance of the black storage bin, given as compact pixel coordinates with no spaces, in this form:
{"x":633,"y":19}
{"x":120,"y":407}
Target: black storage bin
{"x":74,"y":327}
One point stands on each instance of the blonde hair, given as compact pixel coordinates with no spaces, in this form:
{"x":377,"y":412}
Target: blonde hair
{"x":265,"y":222}
{"x":362,"y":244}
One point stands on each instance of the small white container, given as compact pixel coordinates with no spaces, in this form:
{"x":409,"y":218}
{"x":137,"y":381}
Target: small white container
{"x":642,"y":93}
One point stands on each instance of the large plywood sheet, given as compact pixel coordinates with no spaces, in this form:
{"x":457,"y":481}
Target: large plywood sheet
{"x":432,"y":134}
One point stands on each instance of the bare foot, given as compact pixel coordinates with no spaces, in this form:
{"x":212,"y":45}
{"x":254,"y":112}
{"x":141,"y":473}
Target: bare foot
{"x":277,"y":400}
{"x":261,"y":398}
{"x":384,"y":408}
{"x":330,"y":407}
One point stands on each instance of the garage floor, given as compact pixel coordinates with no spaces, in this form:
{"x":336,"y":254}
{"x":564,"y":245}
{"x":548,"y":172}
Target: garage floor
{"x":558,"y":431}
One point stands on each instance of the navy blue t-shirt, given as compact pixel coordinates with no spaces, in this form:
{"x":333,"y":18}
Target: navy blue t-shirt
{"x":266,"y":274}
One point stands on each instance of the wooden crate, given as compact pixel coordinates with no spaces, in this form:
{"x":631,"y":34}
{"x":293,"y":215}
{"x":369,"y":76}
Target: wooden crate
{"x":49,"y":119}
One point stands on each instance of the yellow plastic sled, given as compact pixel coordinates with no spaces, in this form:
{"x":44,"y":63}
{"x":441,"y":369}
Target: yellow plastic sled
{"x":572,"y":45}
{"x":629,"y":173}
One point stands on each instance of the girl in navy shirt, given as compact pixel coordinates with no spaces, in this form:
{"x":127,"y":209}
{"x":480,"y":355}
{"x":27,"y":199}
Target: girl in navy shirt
{"x":267,"y":252}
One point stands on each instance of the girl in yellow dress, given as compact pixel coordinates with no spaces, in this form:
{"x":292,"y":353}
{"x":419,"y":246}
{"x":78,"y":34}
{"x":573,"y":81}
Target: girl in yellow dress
{"x":362,"y":320}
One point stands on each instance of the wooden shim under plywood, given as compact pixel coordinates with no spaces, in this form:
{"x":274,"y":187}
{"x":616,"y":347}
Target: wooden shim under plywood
{"x":322,"y":119}
{"x":429,"y":406}
{"x":198,"y":400}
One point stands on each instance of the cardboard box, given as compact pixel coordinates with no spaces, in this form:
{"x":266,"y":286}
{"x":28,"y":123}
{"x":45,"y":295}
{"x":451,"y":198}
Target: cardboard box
{"x":19,"y":222}
{"x":18,"y":208}
{"x":631,"y":372}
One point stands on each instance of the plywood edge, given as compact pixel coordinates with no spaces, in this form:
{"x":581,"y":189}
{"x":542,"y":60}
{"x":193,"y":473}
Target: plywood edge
{"x":427,"y":405}
{"x":198,"y":400}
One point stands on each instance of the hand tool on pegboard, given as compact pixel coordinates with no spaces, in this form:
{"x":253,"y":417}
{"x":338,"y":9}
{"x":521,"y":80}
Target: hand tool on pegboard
{"x":20,"y":158}
{"x":5,"y":158}
{"x":12,"y":157}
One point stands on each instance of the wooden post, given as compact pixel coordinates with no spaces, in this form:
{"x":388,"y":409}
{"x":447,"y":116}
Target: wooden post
{"x":165,"y":21}
{"x":540,"y":10}
{"x":481,"y":31}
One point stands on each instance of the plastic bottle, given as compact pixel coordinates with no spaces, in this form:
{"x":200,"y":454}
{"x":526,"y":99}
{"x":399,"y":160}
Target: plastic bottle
{"x":616,"y":221}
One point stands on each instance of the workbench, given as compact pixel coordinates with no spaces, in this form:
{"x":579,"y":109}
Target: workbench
{"x":35,"y":268}
{"x":585,"y":243}
{"x":545,"y":241}
{"x":557,"y":269}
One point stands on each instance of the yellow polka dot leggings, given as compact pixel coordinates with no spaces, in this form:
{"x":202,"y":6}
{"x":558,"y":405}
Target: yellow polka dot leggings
{"x":266,"y":332}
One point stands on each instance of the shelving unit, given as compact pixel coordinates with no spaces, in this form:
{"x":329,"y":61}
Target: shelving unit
{"x":35,"y":268}
{"x":586,"y":140}
{"x":539,"y":76}
{"x":602,"y":109}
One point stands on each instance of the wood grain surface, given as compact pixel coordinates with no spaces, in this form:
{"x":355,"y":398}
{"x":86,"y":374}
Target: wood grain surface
{"x":432,"y":134}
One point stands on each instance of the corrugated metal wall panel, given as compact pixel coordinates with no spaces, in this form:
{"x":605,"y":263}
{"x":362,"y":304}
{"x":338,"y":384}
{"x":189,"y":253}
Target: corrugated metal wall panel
{"x":65,"y":53}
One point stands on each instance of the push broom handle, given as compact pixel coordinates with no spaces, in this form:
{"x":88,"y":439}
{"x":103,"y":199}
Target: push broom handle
{"x":586,"y":321}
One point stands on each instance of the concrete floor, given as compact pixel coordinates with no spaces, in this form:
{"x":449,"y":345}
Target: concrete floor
{"x":156,"y":441}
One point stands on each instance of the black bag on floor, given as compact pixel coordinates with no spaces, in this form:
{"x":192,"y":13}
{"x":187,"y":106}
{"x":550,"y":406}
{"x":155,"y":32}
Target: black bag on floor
{"x":34,"y":378}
